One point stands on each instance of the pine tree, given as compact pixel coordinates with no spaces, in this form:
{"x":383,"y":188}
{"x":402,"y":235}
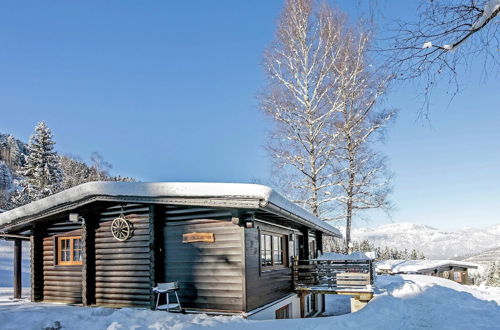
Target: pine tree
{"x":74,"y":171}
{"x":385,"y":254}
{"x":41,"y":171}
{"x":365,"y":246}
{"x":491,"y":275}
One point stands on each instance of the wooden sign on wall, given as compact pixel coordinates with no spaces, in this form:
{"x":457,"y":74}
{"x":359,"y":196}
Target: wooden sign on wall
{"x":198,"y":237}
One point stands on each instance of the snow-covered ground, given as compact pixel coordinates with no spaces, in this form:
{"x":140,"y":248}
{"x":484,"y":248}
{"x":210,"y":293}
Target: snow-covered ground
{"x":401,"y":302}
{"x":6,"y":264}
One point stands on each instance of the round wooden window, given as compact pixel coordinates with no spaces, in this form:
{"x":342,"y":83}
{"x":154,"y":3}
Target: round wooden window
{"x":446,"y":274}
{"x":121,"y":230}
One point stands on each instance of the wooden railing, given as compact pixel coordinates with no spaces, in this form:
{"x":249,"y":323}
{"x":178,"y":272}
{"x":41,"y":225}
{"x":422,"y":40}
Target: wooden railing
{"x":333,"y":274}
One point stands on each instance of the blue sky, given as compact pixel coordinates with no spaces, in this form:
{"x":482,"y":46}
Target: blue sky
{"x":166,"y":91}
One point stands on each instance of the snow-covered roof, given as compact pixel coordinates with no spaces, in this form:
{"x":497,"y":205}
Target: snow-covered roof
{"x":236,"y":195}
{"x":413,"y":266}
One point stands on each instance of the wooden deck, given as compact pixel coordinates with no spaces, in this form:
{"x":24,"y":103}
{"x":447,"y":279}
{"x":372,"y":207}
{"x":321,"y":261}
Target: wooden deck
{"x":343,"y":277}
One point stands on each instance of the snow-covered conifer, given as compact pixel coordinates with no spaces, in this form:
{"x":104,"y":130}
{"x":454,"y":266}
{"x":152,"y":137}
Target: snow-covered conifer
{"x":41,"y":171}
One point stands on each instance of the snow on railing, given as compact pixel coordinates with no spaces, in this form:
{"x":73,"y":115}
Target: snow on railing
{"x":333,"y":274}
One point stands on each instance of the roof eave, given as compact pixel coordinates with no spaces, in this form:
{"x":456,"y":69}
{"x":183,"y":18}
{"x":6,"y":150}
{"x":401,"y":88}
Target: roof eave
{"x":270,"y":207}
{"x":242,"y":203}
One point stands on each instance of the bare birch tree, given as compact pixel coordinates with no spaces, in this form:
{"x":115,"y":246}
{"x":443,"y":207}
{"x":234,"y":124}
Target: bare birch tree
{"x":300,"y":66}
{"x":323,"y":97}
{"x":361,"y":172}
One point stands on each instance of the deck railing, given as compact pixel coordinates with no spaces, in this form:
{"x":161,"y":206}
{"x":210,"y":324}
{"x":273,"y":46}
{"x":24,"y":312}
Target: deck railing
{"x":333,"y":274}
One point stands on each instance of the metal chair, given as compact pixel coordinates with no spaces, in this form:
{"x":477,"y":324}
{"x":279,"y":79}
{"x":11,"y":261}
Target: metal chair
{"x":167,"y":289}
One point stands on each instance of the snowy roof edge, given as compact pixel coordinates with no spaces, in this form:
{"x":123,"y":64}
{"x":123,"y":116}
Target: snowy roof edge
{"x":422,"y":265}
{"x":267,"y":198}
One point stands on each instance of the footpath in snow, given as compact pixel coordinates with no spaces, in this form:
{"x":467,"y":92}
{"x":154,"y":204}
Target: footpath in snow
{"x":401,"y":302}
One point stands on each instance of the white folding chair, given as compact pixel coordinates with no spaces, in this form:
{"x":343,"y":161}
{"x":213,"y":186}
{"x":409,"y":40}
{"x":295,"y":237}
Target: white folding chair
{"x":167,"y":289}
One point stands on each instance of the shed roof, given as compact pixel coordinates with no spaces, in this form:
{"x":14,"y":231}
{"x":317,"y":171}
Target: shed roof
{"x":413,"y":266}
{"x":230,"y":195}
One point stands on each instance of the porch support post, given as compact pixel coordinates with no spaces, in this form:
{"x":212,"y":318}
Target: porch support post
{"x":302,"y":299}
{"x":152,"y":250}
{"x":88,"y":263}
{"x":17,"y":268}
{"x":36,"y":256}
{"x":305,"y":240}
{"x":319,"y":243}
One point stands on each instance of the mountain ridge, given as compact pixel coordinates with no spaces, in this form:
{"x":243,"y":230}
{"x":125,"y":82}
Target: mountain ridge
{"x":433,"y":242}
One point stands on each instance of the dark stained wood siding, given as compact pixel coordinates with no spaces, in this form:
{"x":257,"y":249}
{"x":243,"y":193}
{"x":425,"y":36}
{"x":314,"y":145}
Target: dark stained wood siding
{"x":210,"y":275}
{"x":123,"y":269}
{"x":60,"y":283}
{"x":263,"y":287}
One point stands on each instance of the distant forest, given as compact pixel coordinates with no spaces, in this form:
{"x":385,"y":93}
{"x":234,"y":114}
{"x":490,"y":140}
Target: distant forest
{"x":29,"y":171}
{"x":382,"y":253}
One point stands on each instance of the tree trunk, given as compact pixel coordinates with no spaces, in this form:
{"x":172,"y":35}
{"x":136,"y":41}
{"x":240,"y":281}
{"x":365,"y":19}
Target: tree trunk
{"x":348,"y":227}
{"x":350,"y":193}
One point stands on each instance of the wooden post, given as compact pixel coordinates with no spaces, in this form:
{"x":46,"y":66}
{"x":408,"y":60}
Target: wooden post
{"x":88,"y":263}
{"x":302,"y":298}
{"x":305,"y":241}
{"x":17,"y":268}
{"x":295,"y":270}
{"x":323,"y":303}
{"x":36,"y":256}
{"x":152,"y":249}
{"x":319,"y":242}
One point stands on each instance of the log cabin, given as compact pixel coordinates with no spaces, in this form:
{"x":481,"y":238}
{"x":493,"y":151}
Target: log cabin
{"x":229,"y":246}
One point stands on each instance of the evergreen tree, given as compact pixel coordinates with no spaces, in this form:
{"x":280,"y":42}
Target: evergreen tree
{"x":41,"y":171}
{"x":491,"y":275}
{"x":75,"y":172}
{"x":365,"y":246}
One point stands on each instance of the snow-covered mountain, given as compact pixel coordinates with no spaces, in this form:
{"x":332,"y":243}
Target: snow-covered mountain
{"x":433,"y":242}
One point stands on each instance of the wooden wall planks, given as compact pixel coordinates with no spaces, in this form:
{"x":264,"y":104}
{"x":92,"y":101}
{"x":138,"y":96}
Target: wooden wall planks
{"x":122,"y":269}
{"x":210,"y":275}
{"x":60,"y":283}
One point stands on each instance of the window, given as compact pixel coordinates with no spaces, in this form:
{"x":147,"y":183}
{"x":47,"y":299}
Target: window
{"x":312,"y":248}
{"x":266,"y":250}
{"x":283,"y":312}
{"x":457,"y":277}
{"x":69,"y":251}
{"x":272,"y":252}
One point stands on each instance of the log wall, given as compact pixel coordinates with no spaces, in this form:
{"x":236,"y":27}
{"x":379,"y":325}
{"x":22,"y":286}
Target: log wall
{"x":60,"y":283}
{"x":123,"y":269}
{"x":210,"y":275}
{"x":264,"y":286}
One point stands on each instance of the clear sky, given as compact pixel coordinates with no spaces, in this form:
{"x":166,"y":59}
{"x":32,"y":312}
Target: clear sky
{"x":166,"y":91}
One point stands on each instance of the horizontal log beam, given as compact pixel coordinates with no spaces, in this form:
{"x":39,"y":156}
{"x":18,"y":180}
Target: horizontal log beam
{"x":15,"y":236}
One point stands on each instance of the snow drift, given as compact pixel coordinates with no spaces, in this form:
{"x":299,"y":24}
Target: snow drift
{"x":401,"y":302}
